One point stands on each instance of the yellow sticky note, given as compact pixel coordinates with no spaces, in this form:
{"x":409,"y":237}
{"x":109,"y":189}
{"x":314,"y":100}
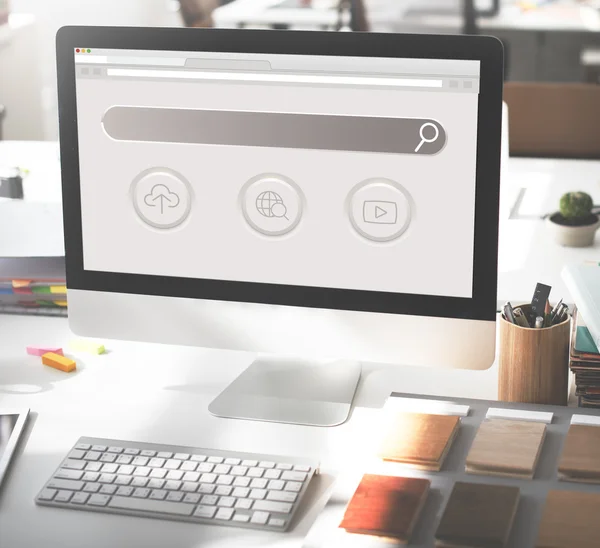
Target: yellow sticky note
{"x":60,"y":303}
{"x":59,"y":362}
{"x":61,"y":289}
{"x":86,"y":346}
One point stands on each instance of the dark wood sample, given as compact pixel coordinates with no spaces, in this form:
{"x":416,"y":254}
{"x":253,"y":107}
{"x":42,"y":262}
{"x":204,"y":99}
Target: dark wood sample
{"x":478,"y":516}
{"x":580,"y":459}
{"x":386,"y":506}
{"x":506,"y":448}
{"x":420,"y":440}
{"x":570,"y":520}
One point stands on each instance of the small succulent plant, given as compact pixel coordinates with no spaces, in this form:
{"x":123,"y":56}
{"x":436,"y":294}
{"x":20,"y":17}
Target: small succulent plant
{"x":576,"y":207}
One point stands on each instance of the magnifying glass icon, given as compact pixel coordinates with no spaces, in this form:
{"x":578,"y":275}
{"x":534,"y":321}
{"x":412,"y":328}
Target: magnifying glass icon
{"x":436,"y":134}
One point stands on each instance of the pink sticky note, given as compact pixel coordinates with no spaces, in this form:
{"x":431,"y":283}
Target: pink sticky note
{"x":41,"y":350}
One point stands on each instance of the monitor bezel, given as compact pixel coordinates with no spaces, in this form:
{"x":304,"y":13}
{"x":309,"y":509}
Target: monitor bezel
{"x":488,"y":50}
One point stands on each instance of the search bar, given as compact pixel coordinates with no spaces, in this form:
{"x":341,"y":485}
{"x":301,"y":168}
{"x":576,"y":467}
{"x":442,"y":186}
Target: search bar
{"x":275,"y":130}
{"x":279,"y":78}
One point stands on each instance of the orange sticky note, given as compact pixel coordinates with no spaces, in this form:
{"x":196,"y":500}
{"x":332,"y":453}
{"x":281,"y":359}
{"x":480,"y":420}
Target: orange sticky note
{"x":21,"y":283}
{"x":58,"y":362}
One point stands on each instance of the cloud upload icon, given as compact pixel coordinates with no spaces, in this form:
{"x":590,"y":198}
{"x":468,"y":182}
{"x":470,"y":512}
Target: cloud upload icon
{"x":160,"y":195}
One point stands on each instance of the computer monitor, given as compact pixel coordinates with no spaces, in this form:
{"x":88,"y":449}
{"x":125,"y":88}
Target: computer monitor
{"x":300,"y":195}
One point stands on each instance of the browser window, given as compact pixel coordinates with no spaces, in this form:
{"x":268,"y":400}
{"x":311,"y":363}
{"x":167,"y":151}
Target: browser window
{"x":319,"y":171}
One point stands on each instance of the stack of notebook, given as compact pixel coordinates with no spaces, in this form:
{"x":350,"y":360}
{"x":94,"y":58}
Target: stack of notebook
{"x":585,"y":363}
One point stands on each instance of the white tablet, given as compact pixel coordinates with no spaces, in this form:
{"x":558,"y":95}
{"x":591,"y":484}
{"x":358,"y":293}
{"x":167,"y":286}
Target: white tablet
{"x":12,"y":424}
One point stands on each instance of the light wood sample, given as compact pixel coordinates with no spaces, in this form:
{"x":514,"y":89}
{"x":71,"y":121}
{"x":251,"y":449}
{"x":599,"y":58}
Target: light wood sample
{"x":580,"y":460}
{"x":506,"y":448}
{"x":419,"y":440}
{"x":570,"y":520}
{"x":477,"y":515}
{"x":386,"y":506}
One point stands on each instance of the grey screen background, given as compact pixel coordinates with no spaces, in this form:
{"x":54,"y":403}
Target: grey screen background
{"x":434,"y":256}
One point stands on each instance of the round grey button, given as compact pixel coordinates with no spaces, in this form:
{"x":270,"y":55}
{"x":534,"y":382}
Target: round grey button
{"x":161,"y":197}
{"x":379,"y":209}
{"x":271,"y":204}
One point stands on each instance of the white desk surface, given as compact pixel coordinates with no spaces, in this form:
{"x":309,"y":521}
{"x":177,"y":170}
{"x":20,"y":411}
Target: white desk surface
{"x":160,"y":394}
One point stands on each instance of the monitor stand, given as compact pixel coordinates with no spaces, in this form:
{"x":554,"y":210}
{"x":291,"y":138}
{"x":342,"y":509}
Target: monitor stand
{"x":295,"y":391}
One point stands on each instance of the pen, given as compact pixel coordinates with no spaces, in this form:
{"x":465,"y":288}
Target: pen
{"x":508,"y":313}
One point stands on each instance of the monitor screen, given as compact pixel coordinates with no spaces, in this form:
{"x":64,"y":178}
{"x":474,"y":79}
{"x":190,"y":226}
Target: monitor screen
{"x":351,"y":173}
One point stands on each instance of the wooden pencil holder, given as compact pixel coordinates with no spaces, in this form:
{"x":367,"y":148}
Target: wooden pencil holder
{"x":534,"y":363}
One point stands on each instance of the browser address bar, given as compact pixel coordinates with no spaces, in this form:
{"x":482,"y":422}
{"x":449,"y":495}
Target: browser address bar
{"x":284,"y":78}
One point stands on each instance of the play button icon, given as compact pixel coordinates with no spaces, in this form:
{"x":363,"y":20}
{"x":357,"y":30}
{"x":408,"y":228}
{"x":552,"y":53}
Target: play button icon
{"x":380,"y":212}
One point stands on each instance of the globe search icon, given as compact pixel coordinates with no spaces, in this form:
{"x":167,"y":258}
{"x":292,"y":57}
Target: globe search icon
{"x":272,"y":204}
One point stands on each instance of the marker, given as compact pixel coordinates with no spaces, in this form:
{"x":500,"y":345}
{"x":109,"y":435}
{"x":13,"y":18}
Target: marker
{"x":539,"y":322}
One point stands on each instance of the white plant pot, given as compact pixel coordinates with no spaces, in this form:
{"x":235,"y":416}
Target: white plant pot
{"x":573,"y":236}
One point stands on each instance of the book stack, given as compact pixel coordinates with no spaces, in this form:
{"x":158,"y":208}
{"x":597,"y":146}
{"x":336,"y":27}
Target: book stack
{"x":584,"y":362}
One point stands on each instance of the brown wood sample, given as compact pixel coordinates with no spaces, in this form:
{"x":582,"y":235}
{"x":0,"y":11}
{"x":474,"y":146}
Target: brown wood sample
{"x":477,"y":515}
{"x":419,"y":440}
{"x":570,"y":520}
{"x":506,"y":448}
{"x":386,"y":506}
{"x":580,"y":459}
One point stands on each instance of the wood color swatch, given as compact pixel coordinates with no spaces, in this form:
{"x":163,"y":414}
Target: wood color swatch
{"x":580,"y":460}
{"x":386,"y":506}
{"x":477,"y":516}
{"x":506,"y":448}
{"x":570,"y":520}
{"x":419,"y":440}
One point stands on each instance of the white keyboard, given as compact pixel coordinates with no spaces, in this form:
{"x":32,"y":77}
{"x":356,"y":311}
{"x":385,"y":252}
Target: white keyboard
{"x":179,"y":483}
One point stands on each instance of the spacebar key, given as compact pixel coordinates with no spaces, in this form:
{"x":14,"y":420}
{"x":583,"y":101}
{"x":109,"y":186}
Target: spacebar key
{"x":156,"y":506}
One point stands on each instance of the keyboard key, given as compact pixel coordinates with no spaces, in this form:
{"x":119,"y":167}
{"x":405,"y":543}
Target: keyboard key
{"x":205,"y":467}
{"x":191,"y":476}
{"x":115,"y":449}
{"x":255,"y":472}
{"x":47,"y":494}
{"x":258,"y":483}
{"x":141,"y":493}
{"x":209,"y":500}
{"x":98,"y":500}
{"x":65,"y":473}
{"x":92,"y":487}
{"x":272,"y":474}
{"x":109,"y":468}
{"x":125,"y":491}
{"x":225,"y":480}
{"x":198,"y":458}
{"x":258,"y":493}
{"x":63,"y":496}
{"x":158,"y":473}
{"x":124,"y":459}
{"x":107,"y":478}
{"x":215,"y":460}
{"x":282,"y":496}
{"x":239,"y":470}
{"x":158,"y":494}
{"x":123,"y":480}
{"x":73,"y":464}
{"x":222,"y":469}
{"x":172,"y":485}
{"x":131,"y":451}
{"x":126,"y":469}
{"x":293,"y":486}
{"x":283,"y":466}
{"x":149,"y":505}
{"x":108,"y":457}
{"x":244,"y":504}
{"x":205,"y":511}
{"x":293,"y":476}
{"x":108,"y":489}
{"x":139,"y":482}
{"x":142,"y":471}
{"x":206,"y":488}
{"x":99,"y":448}
{"x":164,"y":455}
{"x":241,"y":492}
{"x":140,"y":461}
{"x":266,"y":464}
{"x":156,"y":483}
{"x":250,"y":463}
{"x":223,"y":490}
{"x":189,"y":487}
{"x":244,"y":518}
{"x":232,"y":461}
{"x":276,"y":485}
{"x":90,"y":455}
{"x":208,"y":478}
{"x":174,"y":496}
{"x":189,"y":466}
{"x":241,"y":482}
{"x":172,"y":464}
{"x":70,"y":485}
{"x":147,"y":453}
{"x":226,"y":502}
{"x":83,"y":446}
{"x":174,"y":474}
{"x":156,"y":462}
{"x":90,"y":476}
{"x":259,"y":518}
{"x":93,"y":467}
{"x":80,"y":498}
{"x":272,"y":506}
{"x":181,"y":456}
{"x":224,"y":514}
{"x":277,"y":522}
{"x":191,"y":498}
{"x":301,"y":468}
